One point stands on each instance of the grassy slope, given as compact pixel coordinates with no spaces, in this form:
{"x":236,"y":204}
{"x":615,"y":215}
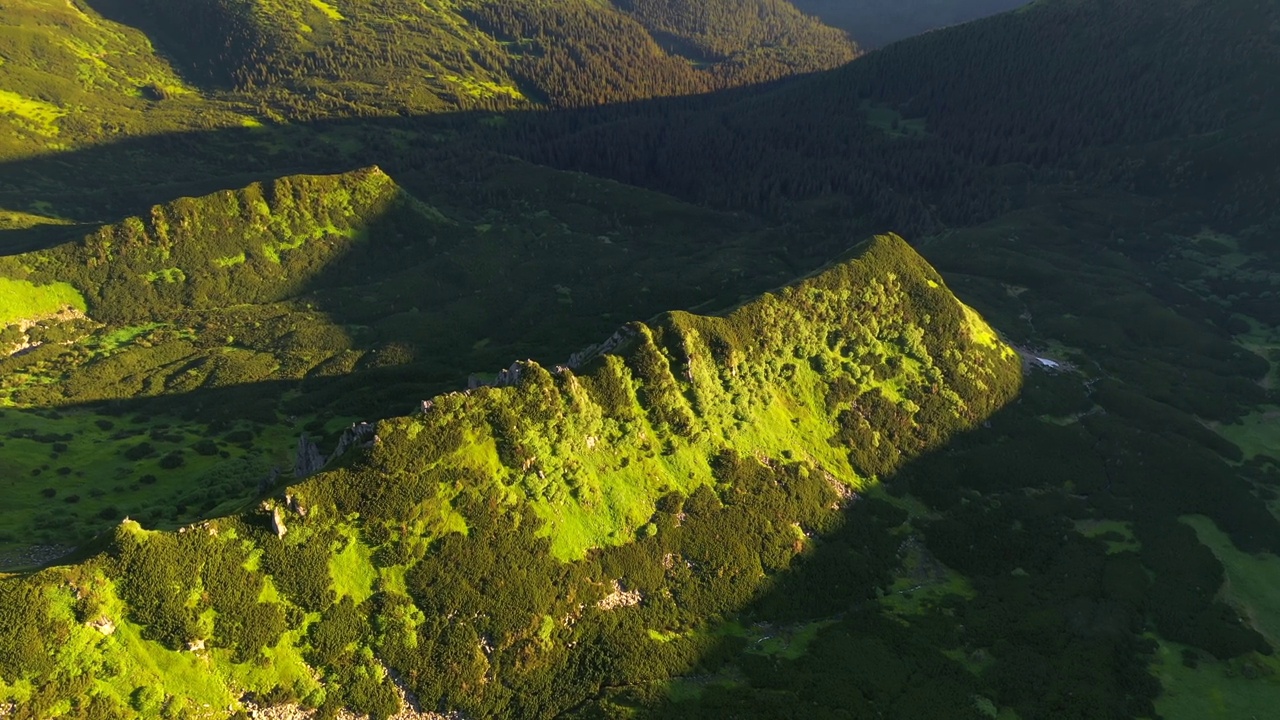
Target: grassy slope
{"x":69,"y":472}
{"x":761,"y":380}
{"x":71,"y":78}
{"x":79,"y":73}
{"x":1245,"y":687}
{"x":225,"y":325}
{"x":22,"y":300}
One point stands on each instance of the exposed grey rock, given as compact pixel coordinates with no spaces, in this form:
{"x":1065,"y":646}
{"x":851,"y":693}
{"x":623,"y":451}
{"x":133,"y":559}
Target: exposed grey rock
{"x":32,"y":556}
{"x":511,"y":375}
{"x":505,"y":378}
{"x":358,"y":435}
{"x":591,"y":352}
{"x":620,"y":597}
{"x":277,"y":523}
{"x":308,"y":460}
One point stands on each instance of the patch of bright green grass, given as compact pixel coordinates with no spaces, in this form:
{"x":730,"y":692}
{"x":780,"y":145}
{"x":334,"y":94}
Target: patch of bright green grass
{"x":64,"y":478}
{"x":1215,"y":690}
{"x":352,"y":569}
{"x":124,"y":661}
{"x":18,"y":220}
{"x":789,"y":642}
{"x":22,"y":300}
{"x":921,"y":581}
{"x":168,"y":275}
{"x":1117,"y":534}
{"x":280,"y":665}
{"x":1257,"y":433}
{"x":330,"y":11}
{"x":1253,"y":581}
{"x":37,"y":115}
{"x":230,"y":260}
{"x":479,"y":88}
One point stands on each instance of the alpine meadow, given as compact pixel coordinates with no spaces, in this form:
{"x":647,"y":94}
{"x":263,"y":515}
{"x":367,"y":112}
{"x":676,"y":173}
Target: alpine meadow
{"x":429,"y":359}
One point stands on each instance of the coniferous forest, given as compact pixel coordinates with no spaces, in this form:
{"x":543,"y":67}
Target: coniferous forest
{"x":639,"y":358}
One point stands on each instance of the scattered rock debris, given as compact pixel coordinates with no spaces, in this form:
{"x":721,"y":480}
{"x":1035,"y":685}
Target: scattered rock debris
{"x":619,"y":598}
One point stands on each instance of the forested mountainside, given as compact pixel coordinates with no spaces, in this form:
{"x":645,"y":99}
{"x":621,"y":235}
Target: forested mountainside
{"x":876,"y":23}
{"x":960,"y":125}
{"x":81,"y":71}
{"x":202,"y":302}
{"x":458,"y":558}
{"x":203,"y":315}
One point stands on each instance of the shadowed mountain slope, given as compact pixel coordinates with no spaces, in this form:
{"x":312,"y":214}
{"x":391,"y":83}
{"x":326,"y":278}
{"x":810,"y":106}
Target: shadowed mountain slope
{"x":958,"y":126}
{"x":876,"y":23}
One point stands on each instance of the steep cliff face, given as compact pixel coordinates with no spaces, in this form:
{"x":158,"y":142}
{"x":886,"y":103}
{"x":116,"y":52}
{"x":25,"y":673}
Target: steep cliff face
{"x":489,"y":530}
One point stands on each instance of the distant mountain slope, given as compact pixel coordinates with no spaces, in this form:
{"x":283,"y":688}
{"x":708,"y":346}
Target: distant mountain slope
{"x":714,"y":455}
{"x":83,"y":72}
{"x":314,"y":58}
{"x":956,"y":127}
{"x":69,"y":78}
{"x":876,"y":23}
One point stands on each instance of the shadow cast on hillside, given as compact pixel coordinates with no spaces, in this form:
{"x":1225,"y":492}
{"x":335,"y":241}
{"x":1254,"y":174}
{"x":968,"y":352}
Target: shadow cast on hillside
{"x":978,"y":581}
{"x":105,"y":183}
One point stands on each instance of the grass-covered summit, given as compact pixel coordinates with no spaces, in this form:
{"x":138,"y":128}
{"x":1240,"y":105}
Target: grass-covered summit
{"x":571,"y":531}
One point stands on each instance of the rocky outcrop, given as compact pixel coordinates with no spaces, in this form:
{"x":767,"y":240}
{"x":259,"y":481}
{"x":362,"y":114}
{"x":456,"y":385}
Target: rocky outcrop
{"x":358,"y":435}
{"x":504,"y":378}
{"x":619,"y":598}
{"x":307,"y":460}
{"x":512,"y":375}
{"x":24,"y":343}
{"x":591,"y":352}
{"x":277,"y":523}
{"x":409,"y":708}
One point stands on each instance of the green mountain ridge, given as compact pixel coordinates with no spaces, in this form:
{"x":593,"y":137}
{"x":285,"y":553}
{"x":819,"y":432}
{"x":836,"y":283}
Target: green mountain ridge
{"x":786,"y":384}
{"x":1095,"y":178}
{"x":209,"y":331}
